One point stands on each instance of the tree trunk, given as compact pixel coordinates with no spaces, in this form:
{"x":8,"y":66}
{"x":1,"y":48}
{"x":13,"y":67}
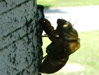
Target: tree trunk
{"x":20,"y":38}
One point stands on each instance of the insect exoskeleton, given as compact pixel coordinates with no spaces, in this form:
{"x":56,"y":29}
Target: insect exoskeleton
{"x":64,"y":41}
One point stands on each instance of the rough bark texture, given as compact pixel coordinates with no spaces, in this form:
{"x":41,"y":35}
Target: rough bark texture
{"x":20,"y":38}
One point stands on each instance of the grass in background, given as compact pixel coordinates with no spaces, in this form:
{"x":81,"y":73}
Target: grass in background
{"x":57,"y":3}
{"x":87,"y":55}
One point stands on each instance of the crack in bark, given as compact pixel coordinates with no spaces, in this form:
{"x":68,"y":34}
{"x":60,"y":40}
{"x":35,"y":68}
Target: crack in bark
{"x":27,"y":24}
{"x":16,"y":40}
{"x":12,"y":32}
{"x":30,"y":21}
{"x":15,"y":7}
{"x":4,"y":1}
{"x":1,"y":0}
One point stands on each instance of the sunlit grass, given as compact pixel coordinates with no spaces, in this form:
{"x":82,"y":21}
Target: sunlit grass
{"x":87,"y":55}
{"x":56,"y":3}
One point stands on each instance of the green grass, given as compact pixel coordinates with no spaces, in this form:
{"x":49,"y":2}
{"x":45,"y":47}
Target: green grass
{"x":87,"y":55}
{"x":57,"y":3}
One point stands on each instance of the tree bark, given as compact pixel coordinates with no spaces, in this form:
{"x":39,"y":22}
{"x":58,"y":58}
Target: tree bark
{"x":20,"y":38}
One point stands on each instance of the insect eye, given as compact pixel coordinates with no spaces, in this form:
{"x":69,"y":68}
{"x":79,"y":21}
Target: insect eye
{"x":57,"y":36}
{"x":65,"y":25}
{"x":44,"y":21}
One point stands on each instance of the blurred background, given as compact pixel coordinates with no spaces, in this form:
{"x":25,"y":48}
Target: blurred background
{"x":84,"y":15}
